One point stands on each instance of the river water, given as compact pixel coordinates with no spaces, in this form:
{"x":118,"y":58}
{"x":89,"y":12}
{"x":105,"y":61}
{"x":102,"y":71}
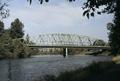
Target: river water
{"x":32,"y":68}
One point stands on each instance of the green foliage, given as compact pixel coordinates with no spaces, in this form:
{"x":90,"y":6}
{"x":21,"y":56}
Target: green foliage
{"x":111,"y":6}
{"x":16,"y":30}
{"x":93,"y":6}
{"x":5,"y":45}
{"x":41,"y":1}
{"x":114,"y":28}
{"x":13,"y":48}
{"x":1,"y":28}
{"x":20,"y":50}
{"x":4,"y":12}
{"x":3,"y":51}
{"x":11,"y":43}
{"x":27,"y":40}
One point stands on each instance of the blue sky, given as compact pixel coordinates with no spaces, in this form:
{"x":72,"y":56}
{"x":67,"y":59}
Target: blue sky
{"x":57,"y":16}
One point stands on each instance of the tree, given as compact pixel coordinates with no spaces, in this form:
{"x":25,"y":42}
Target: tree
{"x":11,"y":44}
{"x":27,"y":39}
{"x":16,"y":30}
{"x":5,"y":45}
{"x":41,"y":1}
{"x":4,"y":12}
{"x":93,"y":6}
{"x":111,"y":6}
{"x":114,"y":34}
{"x":1,"y":28}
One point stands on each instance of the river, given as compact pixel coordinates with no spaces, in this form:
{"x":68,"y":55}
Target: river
{"x":32,"y":68}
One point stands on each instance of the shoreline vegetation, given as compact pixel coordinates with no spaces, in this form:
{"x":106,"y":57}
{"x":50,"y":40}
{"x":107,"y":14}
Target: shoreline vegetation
{"x":100,"y":71}
{"x":12,"y":44}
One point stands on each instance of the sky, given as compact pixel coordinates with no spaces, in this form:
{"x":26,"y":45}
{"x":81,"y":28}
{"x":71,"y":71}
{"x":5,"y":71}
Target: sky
{"x":57,"y":16}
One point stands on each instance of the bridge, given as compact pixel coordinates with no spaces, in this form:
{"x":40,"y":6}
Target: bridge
{"x":65,"y":41}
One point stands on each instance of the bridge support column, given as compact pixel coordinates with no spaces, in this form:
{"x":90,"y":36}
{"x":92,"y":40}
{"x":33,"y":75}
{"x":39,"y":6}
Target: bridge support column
{"x":66,"y":51}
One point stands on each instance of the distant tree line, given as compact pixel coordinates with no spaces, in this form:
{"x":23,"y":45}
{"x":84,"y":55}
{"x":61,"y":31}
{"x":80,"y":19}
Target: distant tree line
{"x":12,"y":44}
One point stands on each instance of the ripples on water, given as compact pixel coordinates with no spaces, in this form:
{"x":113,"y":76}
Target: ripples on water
{"x":31,"y":68}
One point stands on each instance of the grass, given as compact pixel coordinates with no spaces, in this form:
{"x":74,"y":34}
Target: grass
{"x":102,"y":71}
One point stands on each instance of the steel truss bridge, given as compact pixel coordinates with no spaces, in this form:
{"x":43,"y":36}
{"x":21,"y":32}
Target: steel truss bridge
{"x":64,"y":41}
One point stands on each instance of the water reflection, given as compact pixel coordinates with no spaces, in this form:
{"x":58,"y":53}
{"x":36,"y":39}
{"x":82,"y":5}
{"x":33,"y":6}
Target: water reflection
{"x":31,"y":68}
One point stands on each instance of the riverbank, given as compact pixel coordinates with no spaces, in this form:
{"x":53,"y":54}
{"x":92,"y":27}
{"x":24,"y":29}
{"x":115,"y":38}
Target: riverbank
{"x":101,"y":71}
{"x":116,"y":59}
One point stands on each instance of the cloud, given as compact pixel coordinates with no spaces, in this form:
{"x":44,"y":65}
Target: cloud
{"x":60,"y":18}
{"x":51,"y":16}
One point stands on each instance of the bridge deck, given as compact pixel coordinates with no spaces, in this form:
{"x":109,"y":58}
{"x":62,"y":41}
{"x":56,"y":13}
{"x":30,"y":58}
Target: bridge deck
{"x":67,"y":46}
